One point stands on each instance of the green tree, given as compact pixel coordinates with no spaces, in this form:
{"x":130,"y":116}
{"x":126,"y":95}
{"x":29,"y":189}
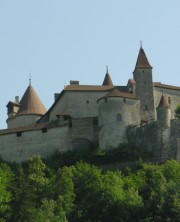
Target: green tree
{"x":49,"y":211}
{"x":64,"y":189}
{"x":5,"y":195}
{"x":37,"y":177}
{"x":23,"y":202}
{"x":177,"y":111}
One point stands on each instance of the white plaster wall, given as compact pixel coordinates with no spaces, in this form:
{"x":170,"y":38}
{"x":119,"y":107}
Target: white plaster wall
{"x":75,"y":103}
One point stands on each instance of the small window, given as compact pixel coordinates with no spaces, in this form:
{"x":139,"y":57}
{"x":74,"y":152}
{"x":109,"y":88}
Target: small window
{"x":143,"y":71}
{"x":105,"y":100}
{"x":19,"y":134}
{"x":44,"y":130}
{"x":145,"y":82}
{"x":118,"y":117}
{"x":95,"y":121}
{"x":169,"y":100}
{"x":70,"y":123}
{"x":145,"y":107}
{"x":87,"y":101}
{"x":124,"y":100}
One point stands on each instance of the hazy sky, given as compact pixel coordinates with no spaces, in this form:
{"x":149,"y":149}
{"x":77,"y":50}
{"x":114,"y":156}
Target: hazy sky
{"x":62,"y":40}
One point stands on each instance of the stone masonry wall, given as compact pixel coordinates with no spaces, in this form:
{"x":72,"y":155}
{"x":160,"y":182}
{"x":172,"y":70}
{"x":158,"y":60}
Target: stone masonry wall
{"x":114,"y":115}
{"x":81,"y":134}
{"x":145,"y":136}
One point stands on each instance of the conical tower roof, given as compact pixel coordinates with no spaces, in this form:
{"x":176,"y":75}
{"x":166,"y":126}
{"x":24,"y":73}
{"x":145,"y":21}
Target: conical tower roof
{"x":30,"y":103}
{"x":142,"y":61}
{"x":163,"y":102}
{"x":107,"y":80}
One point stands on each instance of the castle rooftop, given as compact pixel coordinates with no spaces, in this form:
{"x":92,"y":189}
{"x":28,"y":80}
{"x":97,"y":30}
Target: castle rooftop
{"x":117,"y":93}
{"x":163,"y":102}
{"x":107,"y":80}
{"x":31,"y":103}
{"x":142,"y":61}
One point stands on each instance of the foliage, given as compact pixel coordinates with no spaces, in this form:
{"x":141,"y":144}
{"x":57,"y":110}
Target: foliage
{"x":123,"y":153}
{"x":83,"y":192}
{"x":177,"y":111}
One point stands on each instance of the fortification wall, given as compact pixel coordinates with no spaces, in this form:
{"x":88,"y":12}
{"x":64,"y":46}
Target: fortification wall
{"x":20,"y":148}
{"x":81,"y":134}
{"x":175,"y":128}
{"x":164,"y":143}
{"x":145,"y":136}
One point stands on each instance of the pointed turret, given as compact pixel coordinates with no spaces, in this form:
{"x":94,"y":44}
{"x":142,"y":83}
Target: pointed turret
{"x":30,"y":103}
{"x":163,"y":102}
{"x":107,"y":79}
{"x":27,"y":111}
{"x":164,"y":113}
{"x":142,"y":61}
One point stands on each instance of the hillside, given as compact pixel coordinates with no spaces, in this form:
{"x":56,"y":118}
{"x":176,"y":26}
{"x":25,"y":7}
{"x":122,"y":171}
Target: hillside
{"x":82,"y":188}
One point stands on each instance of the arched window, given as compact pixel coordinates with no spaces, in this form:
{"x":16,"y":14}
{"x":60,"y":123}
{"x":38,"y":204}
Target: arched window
{"x":118,"y":117}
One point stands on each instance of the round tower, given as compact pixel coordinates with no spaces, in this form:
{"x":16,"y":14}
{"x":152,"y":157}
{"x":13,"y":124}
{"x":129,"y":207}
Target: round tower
{"x":163,"y":113}
{"x":116,"y":111}
{"x":30,"y":108}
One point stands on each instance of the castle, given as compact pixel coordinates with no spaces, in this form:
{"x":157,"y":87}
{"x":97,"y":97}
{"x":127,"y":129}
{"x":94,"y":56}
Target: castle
{"x":83,"y":116}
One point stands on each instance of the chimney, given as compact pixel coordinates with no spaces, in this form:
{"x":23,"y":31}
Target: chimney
{"x":74,"y":82}
{"x":56,"y":96}
{"x":17,"y":99}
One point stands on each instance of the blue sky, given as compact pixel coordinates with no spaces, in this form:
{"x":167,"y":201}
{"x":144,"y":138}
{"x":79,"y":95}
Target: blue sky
{"x":58,"y":41}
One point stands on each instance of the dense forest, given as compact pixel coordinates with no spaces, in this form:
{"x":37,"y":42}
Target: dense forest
{"x":89,"y":186}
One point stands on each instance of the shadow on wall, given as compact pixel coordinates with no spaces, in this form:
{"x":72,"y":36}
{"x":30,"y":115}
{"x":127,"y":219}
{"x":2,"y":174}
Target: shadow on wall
{"x":82,"y":144}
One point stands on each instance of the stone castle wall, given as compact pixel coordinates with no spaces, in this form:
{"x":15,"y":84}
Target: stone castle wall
{"x":80,"y":134}
{"x":164,"y":143}
{"x":115,"y":114}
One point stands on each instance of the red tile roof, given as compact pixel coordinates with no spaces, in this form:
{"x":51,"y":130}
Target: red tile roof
{"x":117,"y":93}
{"x":37,"y":126}
{"x":163,"y":102}
{"x":142,"y":61}
{"x":164,"y":86}
{"x":107,"y":80}
{"x":87,"y":88}
{"x":30,"y":103}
